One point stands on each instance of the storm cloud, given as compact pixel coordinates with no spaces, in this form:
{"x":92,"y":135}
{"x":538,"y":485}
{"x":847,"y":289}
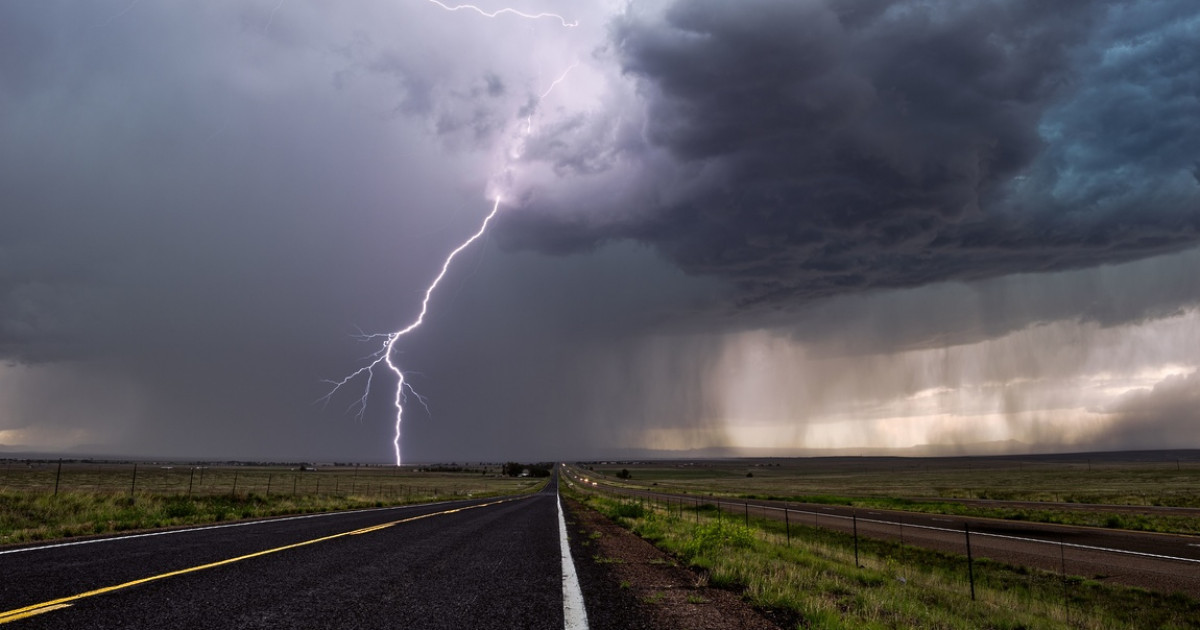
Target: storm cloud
{"x":818,"y":148}
{"x":801,"y":224}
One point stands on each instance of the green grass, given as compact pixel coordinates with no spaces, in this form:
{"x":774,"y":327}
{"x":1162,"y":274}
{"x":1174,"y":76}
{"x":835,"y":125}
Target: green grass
{"x":106,"y":498}
{"x":814,"y":580}
{"x":1134,"y":483}
{"x":931,"y":485}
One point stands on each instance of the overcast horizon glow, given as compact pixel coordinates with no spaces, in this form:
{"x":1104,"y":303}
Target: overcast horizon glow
{"x":770,"y":226}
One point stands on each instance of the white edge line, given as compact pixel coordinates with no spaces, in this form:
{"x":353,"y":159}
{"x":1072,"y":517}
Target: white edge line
{"x":262,"y":521}
{"x":574,"y":613}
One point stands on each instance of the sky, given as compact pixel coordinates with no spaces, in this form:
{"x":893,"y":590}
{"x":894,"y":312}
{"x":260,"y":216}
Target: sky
{"x":758,"y":227}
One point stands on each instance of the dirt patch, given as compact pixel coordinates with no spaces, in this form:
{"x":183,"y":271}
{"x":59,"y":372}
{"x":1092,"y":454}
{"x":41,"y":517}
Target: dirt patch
{"x":629,"y":583}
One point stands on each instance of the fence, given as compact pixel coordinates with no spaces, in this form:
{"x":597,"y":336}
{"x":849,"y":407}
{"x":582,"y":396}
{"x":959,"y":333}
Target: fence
{"x":1175,"y":570}
{"x":130,"y":478}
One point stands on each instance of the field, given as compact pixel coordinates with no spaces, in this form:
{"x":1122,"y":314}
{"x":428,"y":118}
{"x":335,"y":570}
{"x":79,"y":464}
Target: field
{"x":816,"y":578}
{"x":1115,"y":490}
{"x":42,"y":500}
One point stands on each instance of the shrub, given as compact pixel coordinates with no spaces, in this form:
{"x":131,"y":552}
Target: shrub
{"x":712,"y":537}
{"x":630,"y":509}
{"x":179,"y":508}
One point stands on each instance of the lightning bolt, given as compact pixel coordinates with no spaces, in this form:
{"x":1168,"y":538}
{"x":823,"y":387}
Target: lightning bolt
{"x":127,"y":9}
{"x":529,"y":16}
{"x":562,"y":77}
{"x":271,"y":19}
{"x":383,"y":356}
{"x":391,"y":338}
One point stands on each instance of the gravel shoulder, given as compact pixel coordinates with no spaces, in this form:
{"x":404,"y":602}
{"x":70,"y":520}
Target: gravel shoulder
{"x":628,"y":583}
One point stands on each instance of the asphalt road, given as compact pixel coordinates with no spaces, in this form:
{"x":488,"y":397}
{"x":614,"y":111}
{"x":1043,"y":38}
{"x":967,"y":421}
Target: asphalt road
{"x":466,"y":564}
{"x":1163,"y":562}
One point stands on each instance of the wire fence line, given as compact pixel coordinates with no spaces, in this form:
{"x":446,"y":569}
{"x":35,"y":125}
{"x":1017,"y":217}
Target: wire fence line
{"x":1076,"y":561}
{"x":140,"y":478}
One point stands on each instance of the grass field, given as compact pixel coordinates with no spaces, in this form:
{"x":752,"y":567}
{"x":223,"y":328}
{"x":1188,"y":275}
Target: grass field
{"x":1128,"y":482}
{"x":821,"y":579}
{"x":43,"y":501}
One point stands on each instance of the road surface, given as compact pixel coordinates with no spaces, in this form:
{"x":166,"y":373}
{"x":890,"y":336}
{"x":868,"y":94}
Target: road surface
{"x":466,"y":564}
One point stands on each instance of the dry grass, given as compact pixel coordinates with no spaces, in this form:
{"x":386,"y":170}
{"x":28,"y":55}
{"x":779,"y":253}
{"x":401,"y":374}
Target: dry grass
{"x":99,"y":498}
{"x":814,"y":579}
{"x":931,"y":485}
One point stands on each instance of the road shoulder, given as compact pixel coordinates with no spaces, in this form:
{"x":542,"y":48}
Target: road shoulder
{"x":629,"y":583}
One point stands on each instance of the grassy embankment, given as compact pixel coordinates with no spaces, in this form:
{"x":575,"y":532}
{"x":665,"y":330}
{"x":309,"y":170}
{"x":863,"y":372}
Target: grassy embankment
{"x":106,"y":498}
{"x":929,"y":485}
{"x":812,"y":578}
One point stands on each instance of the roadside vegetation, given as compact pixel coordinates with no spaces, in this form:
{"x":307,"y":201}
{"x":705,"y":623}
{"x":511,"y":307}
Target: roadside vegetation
{"x":813,"y":579}
{"x":1108,"y":493}
{"x":39,"y":501}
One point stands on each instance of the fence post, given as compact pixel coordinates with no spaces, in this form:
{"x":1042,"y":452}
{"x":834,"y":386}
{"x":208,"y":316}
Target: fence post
{"x":133,"y":482}
{"x":191,"y":479}
{"x":1062,"y":552}
{"x":746,"y":506}
{"x":854,"y":519}
{"x":234,"y":493}
{"x":57,"y":475}
{"x":970,"y":560}
{"x":269,"y":484}
{"x":787,"y":524}
{"x":293,"y":485}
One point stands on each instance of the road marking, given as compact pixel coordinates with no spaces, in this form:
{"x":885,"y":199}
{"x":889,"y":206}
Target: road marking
{"x":7,"y":617}
{"x":574,"y":613}
{"x":63,"y":602}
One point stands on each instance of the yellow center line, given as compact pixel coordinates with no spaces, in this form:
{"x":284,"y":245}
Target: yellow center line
{"x":7,"y":617}
{"x":63,"y":602}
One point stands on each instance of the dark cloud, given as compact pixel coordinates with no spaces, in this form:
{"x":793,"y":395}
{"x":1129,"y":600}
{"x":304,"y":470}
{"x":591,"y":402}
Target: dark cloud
{"x":821,"y":148}
{"x":952,"y":313}
{"x":201,"y":204}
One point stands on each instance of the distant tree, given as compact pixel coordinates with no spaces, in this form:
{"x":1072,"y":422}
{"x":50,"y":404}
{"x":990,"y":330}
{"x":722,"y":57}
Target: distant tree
{"x":513,"y":469}
{"x":624,"y":474}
